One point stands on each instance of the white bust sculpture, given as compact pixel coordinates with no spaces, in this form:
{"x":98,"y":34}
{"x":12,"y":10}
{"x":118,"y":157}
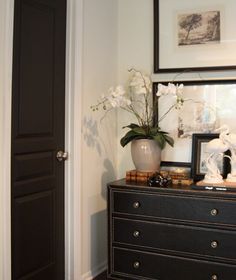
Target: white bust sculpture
{"x":216,"y":148}
{"x":230,"y":140}
{"x":226,"y":141}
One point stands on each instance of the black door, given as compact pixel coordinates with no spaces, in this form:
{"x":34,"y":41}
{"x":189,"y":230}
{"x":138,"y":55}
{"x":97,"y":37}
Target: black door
{"x":37,"y":135}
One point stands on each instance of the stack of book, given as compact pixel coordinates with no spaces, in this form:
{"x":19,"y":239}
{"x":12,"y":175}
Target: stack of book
{"x":180,"y":178}
{"x":138,"y":176}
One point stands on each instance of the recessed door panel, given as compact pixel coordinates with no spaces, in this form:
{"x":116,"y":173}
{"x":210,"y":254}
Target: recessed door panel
{"x":34,"y":232}
{"x":28,"y":166}
{"x":36,"y":70}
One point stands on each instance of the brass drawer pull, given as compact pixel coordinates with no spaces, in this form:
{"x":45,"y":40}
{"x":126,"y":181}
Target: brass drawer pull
{"x":136,"y":204}
{"x":136,"y":233}
{"x":214,"y":277}
{"x":136,"y":265}
{"x":214,"y":244}
{"x":214,"y":212}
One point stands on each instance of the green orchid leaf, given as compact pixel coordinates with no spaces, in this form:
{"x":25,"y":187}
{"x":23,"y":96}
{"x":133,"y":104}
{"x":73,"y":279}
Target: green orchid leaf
{"x":154,"y":131}
{"x":129,"y":136}
{"x":139,"y":130}
{"x":132,"y":126}
{"x":169,"y":140}
{"x":163,"y":132}
{"x":160,"y":140}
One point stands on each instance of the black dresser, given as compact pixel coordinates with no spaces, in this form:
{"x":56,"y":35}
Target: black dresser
{"x":170,"y":234}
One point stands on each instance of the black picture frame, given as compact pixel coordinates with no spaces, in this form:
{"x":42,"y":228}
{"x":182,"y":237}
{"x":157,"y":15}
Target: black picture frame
{"x":194,"y":67}
{"x":198,"y":140}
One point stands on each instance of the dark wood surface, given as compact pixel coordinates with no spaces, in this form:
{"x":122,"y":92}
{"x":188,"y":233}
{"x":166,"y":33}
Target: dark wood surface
{"x":101,"y":276}
{"x":38,"y":104}
{"x":182,"y":233}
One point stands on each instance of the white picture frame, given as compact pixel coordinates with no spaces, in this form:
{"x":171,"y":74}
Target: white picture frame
{"x":205,"y":55}
{"x":217,"y":97}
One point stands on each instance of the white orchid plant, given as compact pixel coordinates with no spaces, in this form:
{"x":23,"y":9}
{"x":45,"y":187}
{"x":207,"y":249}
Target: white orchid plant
{"x":138,"y":102}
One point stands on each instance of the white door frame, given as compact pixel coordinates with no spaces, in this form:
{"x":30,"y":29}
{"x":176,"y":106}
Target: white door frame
{"x":73,"y":137}
{"x":6,"y":34}
{"x":73,"y":144}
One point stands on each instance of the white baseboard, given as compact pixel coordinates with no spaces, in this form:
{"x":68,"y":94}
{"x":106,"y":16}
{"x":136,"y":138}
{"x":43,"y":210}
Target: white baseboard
{"x":94,"y":272}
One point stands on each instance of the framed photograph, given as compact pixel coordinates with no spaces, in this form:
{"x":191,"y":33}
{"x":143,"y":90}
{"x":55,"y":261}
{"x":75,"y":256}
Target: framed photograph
{"x":207,"y":106}
{"x":200,"y":154}
{"x":179,"y":172}
{"x":194,"y":35}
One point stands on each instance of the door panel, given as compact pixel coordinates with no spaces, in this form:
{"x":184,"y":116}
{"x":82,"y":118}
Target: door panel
{"x":29,"y":166}
{"x":35,"y":231}
{"x":36,"y":55}
{"x":38,"y":107}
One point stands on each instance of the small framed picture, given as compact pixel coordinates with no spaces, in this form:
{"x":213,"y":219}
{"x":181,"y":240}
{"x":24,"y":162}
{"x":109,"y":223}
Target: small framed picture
{"x":179,"y":172}
{"x":200,"y":154}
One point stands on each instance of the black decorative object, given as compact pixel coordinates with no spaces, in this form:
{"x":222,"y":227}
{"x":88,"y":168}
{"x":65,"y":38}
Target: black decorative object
{"x":159,"y":180}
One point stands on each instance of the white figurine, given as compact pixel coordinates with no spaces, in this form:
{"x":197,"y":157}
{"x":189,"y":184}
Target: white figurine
{"x":230,"y":140}
{"x":216,"y":147}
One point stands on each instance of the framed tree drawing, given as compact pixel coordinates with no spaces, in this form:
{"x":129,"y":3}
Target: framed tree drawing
{"x":194,"y":36}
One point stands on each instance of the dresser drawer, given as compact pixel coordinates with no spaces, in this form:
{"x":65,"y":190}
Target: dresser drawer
{"x":172,"y":207}
{"x":196,"y":240}
{"x":138,"y":265}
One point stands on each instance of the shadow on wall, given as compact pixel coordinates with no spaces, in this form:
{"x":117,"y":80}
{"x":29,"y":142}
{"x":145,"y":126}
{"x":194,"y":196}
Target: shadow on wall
{"x":108,"y":175}
{"x":91,"y":136}
{"x":95,"y":141}
{"x":98,"y":241}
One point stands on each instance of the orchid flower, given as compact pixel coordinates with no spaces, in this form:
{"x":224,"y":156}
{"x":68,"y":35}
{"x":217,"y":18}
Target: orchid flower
{"x":137,"y":100}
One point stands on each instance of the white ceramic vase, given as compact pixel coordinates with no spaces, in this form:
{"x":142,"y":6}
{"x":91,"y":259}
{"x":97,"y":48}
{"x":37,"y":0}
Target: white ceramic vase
{"x":146,"y":155}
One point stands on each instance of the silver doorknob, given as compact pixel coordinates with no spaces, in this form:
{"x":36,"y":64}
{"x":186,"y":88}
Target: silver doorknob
{"x":62,"y":156}
{"x":136,"y":265}
{"x":214,"y":212}
{"x":136,"y":233}
{"x":136,"y":204}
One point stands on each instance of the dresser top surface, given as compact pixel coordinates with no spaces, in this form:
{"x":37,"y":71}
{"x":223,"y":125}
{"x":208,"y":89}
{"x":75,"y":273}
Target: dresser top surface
{"x":172,"y":189}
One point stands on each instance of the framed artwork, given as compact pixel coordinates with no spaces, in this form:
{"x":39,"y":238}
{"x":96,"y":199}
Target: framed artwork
{"x":207,"y":106}
{"x":194,"y":35}
{"x":200,"y":154}
{"x":178,"y":171}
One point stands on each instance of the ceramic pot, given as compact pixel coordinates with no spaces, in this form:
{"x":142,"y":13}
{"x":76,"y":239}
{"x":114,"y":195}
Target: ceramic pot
{"x":146,"y":155}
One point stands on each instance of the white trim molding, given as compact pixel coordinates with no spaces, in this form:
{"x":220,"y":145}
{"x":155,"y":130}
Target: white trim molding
{"x":73,"y":139}
{"x":6,"y":46}
{"x":94,"y":272}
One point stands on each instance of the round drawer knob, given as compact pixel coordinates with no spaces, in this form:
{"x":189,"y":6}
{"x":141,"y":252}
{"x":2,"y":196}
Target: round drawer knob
{"x":136,"y":233}
{"x":136,"y":265}
{"x":136,"y":204}
{"x":214,"y":244}
{"x":214,"y":212}
{"x":214,"y":277}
